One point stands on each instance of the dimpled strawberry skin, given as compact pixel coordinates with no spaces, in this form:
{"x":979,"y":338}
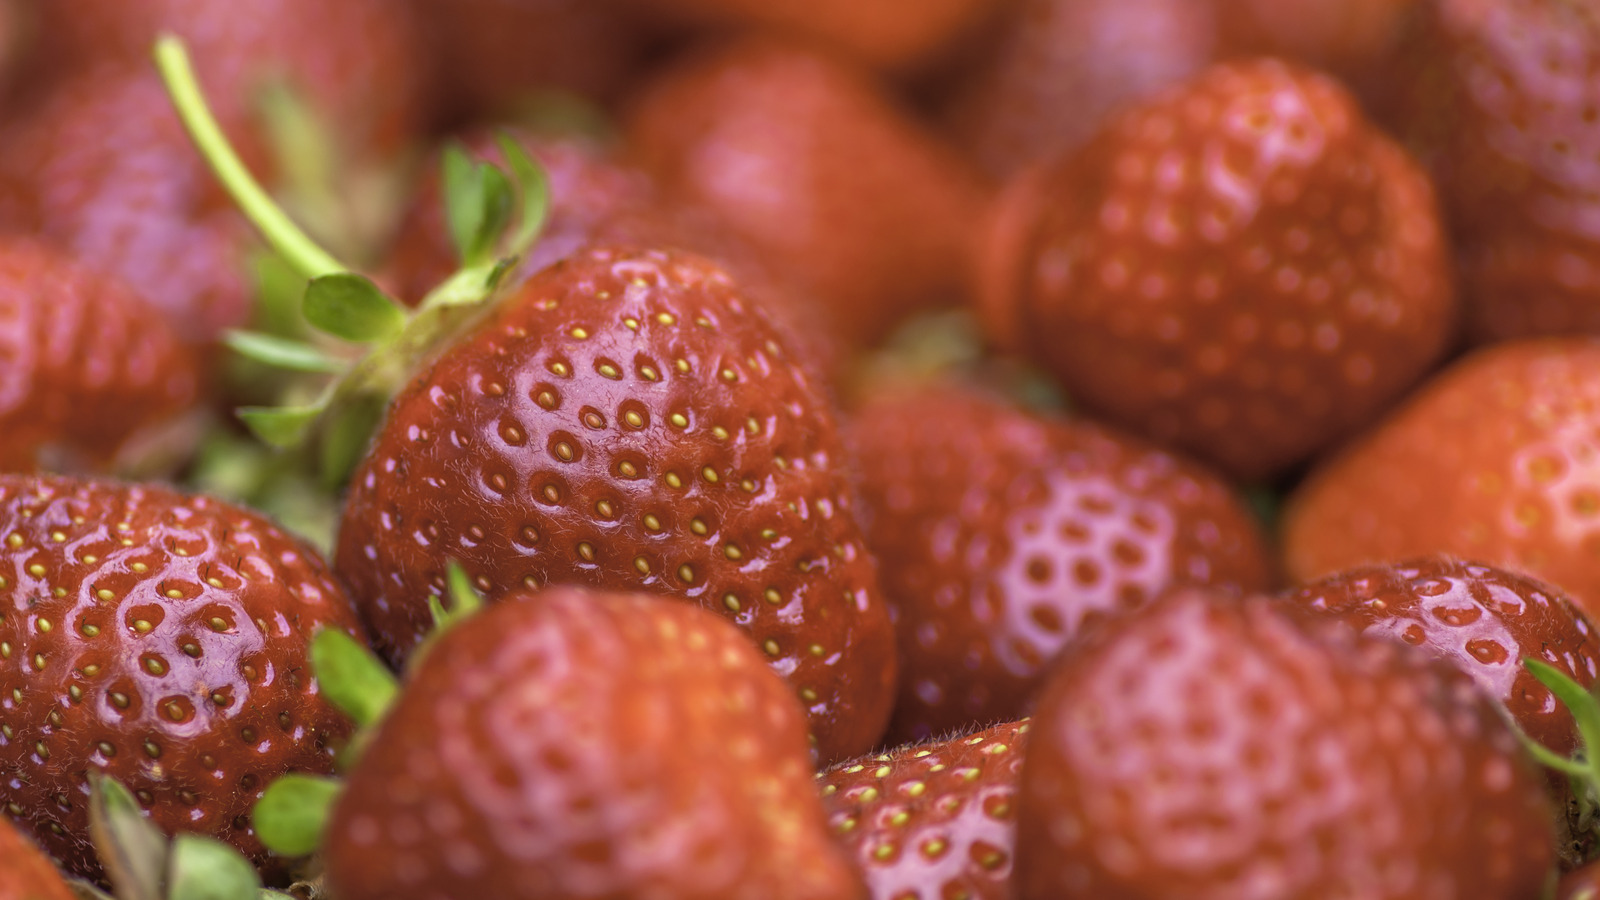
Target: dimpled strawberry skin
{"x":1492,"y":460}
{"x":27,"y":873}
{"x":999,"y":534}
{"x":933,"y":819}
{"x":626,"y":420}
{"x":161,"y":639}
{"x":588,"y":745}
{"x":1481,"y":619}
{"x":1215,"y":748}
{"x":1243,"y":268}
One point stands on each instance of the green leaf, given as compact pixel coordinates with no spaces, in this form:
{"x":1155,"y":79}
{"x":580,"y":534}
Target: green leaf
{"x":497,"y":203}
{"x":463,"y":198}
{"x":350,"y":307}
{"x":344,"y":441}
{"x":133,"y":851}
{"x":204,"y":869}
{"x":282,"y":353}
{"x":1584,"y":707}
{"x":464,"y":597}
{"x":293,"y":811}
{"x":533,"y":193}
{"x":352,"y":677}
{"x":281,"y":426}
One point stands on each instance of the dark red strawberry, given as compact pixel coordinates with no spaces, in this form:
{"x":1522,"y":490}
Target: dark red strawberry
{"x":1580,"y":884}
{"x":630,"y":421}
{"x":1483,"y":620}
{"x":588,"y":745}
{"x":1243,"y":268}
{"x":161,"y":639}
{"x":840,"y":191}
{"x":999,"y":534}
{"x":935,"y":819}
{"x":1354,"y":39}
{"x":26,"y":874}
{"x":1502,"y":101}
{"x":105,"y":169}
{"x":1207,"y":747}
{"x":87,"y":364}
{"x":1492,"y":460}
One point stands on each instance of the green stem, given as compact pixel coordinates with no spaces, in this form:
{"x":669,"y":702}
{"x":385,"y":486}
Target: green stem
{"x":285,"y":237}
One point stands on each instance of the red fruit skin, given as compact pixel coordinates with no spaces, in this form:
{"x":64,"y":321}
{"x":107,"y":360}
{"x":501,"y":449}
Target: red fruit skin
{"x":1499,"y":99}
{"x":1242,"y":268}
{"x":1492,"y":460}
{"x":839,"y":190}
{"x":588,"y":745}
{"x":27,"y":873}
{"x":543,"y":448}
{"x":1000,"y":534}
{"x":1353,"y":39}
{"x":88,"y":365}
{"x":933,"y":819}
{"x":103,"y":168}
{"x":1208,"y":748}
{"x":1482,"y":620}
{"x":1580,"y":884}
{"x":160,"y":639}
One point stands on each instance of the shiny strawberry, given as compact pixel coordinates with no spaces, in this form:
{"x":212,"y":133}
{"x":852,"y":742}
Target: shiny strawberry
{"x":87,"y":364}
{"x":105,"y":170}
{"x":1000,"y":533}
{"x":1481,"y":619}
{"x":1492,"y":460}
{"x":1206,"y":748}
{"x":27,"y":874}
{"x":161,"y":639}
{"x":588,"y":745}
{"x":1502,"y":102}
{"x":932,"y":820}
{"x":1243,"y":268}
{"x":629,"y":420}
{"x":839,"y":190}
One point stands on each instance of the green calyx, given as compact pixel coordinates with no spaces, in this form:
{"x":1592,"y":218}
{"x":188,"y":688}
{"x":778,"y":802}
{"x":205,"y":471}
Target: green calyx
{"x":365,"y":343}
{"x":1583,"y":767}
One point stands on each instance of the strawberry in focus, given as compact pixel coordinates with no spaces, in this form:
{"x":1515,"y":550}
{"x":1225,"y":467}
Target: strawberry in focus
{"x":587,"y":745}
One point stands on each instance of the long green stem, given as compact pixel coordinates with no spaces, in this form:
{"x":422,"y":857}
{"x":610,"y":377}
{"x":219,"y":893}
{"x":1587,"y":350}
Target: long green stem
{"x":284,"y":235}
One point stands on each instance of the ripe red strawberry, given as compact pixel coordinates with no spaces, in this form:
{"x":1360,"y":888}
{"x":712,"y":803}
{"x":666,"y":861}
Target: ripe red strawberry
{"x":838,"y":189}
{"x":1243,"y":268}
{"x":87,"y":364}
{"x":932,"y":820}
{"x":999,"y":534}
{"x":1353,"y":39}
{"x":1209,"y":748}
{"x":1502,"y":103}
{"x":27,"y":874}
{"x":1481,"y":619}
{"x":104,"y":169}
{"x":587,"y":745}
{"x":1493,"y":460}
{"x":628,"y":420}
{"x":161,"y":639}
{"x":1580,"y":884}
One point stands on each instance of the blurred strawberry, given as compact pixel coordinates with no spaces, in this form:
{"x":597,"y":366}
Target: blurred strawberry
{"x":1354,"y":39}
{"x":104,"y":169}
{"x":1496,"y":459}
{"x":838,"y":189}
{"x":85,"y":365}
{"x":587,"y":745}
{"x":1580,"y":884}
{"x":1502,"y":102}
{"x":1206,"y":747}
{"x":934,"y":819}
{"x":1242,"y":267}
{"x":1000,"y":534}
{"x":26,"y":873}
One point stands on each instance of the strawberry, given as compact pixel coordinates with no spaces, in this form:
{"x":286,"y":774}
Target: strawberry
{"x":1354,"y":39}
{"x":1502,"y":102}
{"x":839,"y":190}
{"x":161,"y":639}
{"x":104,"y":169}
{"x":89,"y":366}
{"x":582,"y":745}
{"x":932,"y":820}
{"x":27,"y":874}
{"x":1000,"y":533}
{"x":1492,"y":460}
{"x":1243,"y":268}
{"x":1481,"y":619}
{"x":627,"y":420}
{"x":1580,"y":884}
{"x":1207,"y":747}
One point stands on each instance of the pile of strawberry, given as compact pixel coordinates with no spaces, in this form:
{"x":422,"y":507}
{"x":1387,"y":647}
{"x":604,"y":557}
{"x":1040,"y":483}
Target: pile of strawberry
{"x":847,"y":449}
